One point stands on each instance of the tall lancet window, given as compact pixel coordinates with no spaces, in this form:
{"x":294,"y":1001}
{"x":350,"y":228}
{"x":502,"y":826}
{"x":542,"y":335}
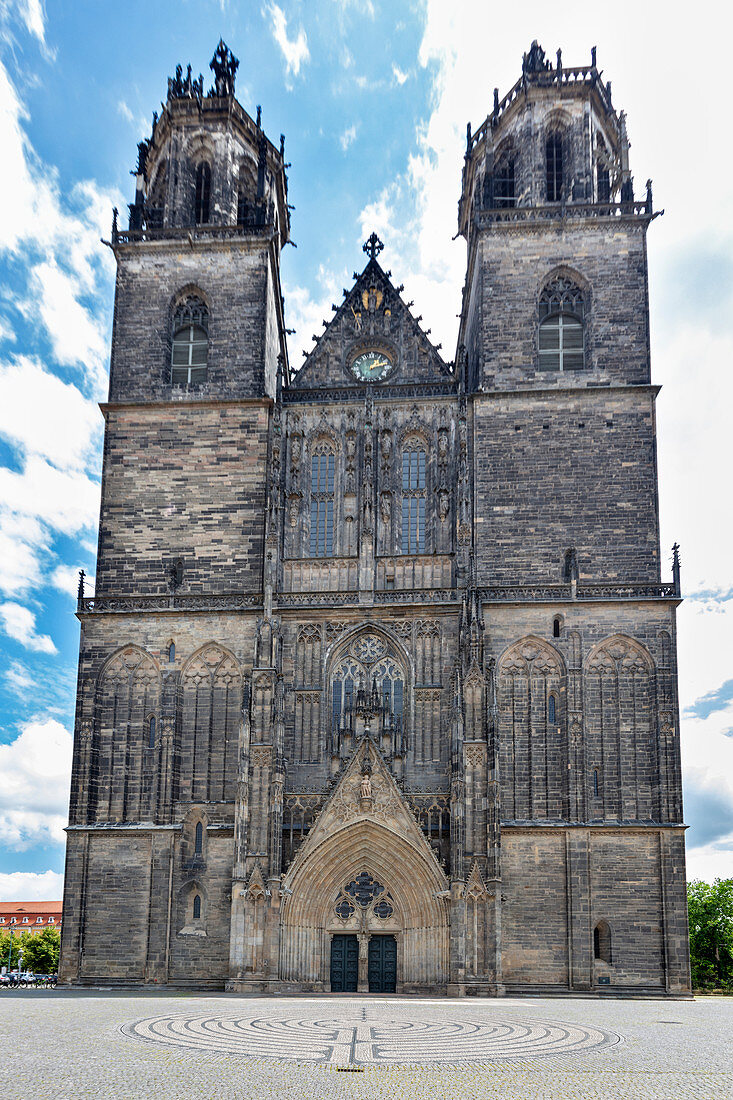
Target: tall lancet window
{"x":414,"y":466}
{"x":203,"y":193}
{"x":323,"y":472}
{"x":504,"y":194}
{"x":554,"y":167}
{"x":561,"y":315}
{"x":190,"y":343}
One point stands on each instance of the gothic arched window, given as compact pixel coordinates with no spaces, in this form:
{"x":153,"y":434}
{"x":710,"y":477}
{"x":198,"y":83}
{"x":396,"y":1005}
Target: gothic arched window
{"x":602,"y":942}
{"x":246,"y":193}
{"x":561,"y":315}
{"x":414,"y":465}
{"x":369,"y":666}
{"x":603,"y":178}
{"x":190,"y":343}
{"x":197,"y":907}
{"x":151,"y":732}
{"x":198,"y":839}
{"x":504,"y":195}
{"x":203,"y":193}
{"x":554,"y":166}
{"x":323,"y":469}
{"x":552,"y":711}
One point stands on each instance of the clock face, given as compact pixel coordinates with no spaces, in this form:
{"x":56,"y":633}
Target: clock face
{"x":371,"y":366}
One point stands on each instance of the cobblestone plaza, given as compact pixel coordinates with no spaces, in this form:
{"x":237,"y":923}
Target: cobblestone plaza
{"x":104,"y":1044}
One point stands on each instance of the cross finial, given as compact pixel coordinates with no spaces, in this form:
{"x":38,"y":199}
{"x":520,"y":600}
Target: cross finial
{"x":373,"y":246}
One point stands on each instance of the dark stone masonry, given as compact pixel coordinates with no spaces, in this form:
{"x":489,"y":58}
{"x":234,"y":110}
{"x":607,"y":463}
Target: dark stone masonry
{"x":378,"y":687}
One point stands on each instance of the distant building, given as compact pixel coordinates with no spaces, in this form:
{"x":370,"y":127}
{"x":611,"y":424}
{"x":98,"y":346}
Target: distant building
{"x":378,"y":688}
{"x":29,"y":916}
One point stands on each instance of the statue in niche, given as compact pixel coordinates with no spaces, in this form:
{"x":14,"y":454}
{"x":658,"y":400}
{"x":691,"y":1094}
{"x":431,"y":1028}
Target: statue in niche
{"x":386,"y":447}
{"x":296,"y":447}
{"x":386,"y":502}
{"x":443,"y":503}
{"x":365,"y":787}
{"x":443,"y":444}
{"x":367,"y":515}
{"x":294,"y":510}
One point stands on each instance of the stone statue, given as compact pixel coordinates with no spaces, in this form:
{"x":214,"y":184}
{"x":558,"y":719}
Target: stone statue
{"x":365,"y":788}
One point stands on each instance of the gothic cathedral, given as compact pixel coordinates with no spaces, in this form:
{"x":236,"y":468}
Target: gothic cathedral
{"x":377,"y":690}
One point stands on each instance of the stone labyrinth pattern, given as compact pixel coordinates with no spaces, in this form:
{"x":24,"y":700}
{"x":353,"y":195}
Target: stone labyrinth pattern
{"x":352,"y":1039}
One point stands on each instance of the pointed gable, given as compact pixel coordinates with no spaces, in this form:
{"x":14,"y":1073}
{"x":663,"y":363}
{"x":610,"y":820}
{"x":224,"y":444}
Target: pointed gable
{"x":348,"y":804}
{"x":372,"y":318}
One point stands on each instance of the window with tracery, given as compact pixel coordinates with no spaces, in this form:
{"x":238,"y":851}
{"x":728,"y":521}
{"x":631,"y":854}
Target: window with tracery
{"x":364,"y":892}
{"x":323,"y":471}
{"x":603,"y":181}
{"x":561,"y":316}
{"x":554,"y":167}
{"x":190,"y":343}
{"x":369,"y":667}
{"x":414,"y":493}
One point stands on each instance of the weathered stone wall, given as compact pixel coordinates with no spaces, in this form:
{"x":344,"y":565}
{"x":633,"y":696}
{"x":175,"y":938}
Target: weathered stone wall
{"x":183,"y":482}
{"x":606,"y":257}
{"x":566,"y":469}
{"x":232,"y":278}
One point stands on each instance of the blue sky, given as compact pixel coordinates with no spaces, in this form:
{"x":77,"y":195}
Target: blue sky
{"x":373,"y":98}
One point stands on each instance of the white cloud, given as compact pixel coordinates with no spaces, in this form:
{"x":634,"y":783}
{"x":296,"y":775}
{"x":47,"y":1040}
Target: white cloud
{"x":37,"y":410}
{"x":56,"y":428}
{"x":398,"y":75}
{"x":18,"y":678}
{"x":66,"y":501}
{"x":348,"y":138}
{"x":31,"y":13}
{"x":66,"y":579}
{"x":294,"y":50}
{"x":35,"y":773}
{"x":34,"y":16}
{"x":59,"y":239}
{"x":31,"y":886}
{"x":76,"y":336}
{"x":23,"y":541}
{"x":711,"y":861}
{"x":20,"y":624}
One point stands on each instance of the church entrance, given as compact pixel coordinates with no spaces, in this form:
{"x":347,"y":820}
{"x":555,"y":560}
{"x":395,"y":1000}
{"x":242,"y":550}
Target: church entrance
{"x":382,"y":964}
{"x":344,"y":964}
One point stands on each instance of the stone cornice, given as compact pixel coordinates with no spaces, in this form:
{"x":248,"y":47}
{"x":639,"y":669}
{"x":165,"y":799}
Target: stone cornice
{"x":187,"y":402}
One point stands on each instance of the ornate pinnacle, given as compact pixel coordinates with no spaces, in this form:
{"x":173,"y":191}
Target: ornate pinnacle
{"x":373,"y":246}
{"x":224,"y":66}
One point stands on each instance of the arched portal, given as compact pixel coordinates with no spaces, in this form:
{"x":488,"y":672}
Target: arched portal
{"x":342,"y":869}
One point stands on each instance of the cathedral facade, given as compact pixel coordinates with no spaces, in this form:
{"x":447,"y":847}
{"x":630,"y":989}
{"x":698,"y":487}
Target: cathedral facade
{"x":377,"y":690}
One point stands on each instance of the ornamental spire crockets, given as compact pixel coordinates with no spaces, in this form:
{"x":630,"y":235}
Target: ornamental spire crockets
{"x":224,"y":66}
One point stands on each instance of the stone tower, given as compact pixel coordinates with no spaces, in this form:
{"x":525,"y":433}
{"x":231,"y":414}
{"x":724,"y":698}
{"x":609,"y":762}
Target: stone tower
{"x":378,"y":687}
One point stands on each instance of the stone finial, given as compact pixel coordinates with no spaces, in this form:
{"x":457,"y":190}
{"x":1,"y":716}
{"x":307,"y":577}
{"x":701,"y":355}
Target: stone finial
{"x":224,"y":66}
{"x":372,"y":246}
{"x":676,"y":567}
{"x":534,"y":61}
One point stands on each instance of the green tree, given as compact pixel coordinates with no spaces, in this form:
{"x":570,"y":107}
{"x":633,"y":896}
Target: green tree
{"x":9,"y":948}
{"x":41,"y":951}
{"x":710,"y":909}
